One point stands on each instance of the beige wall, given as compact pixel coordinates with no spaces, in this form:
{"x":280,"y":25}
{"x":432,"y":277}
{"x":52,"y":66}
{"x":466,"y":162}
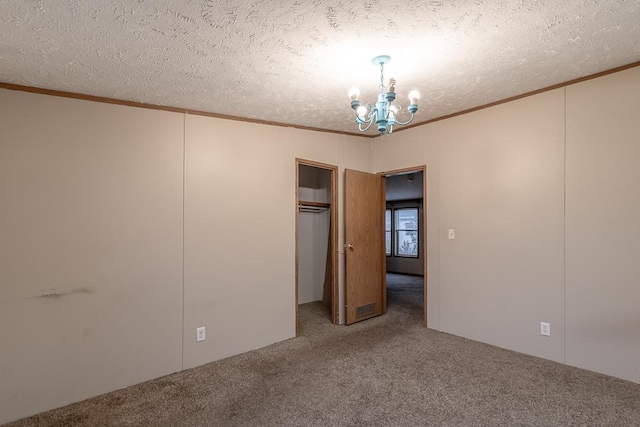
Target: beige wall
{"x":498,"y":177}
{"x":501,"y":182}
{"x":91,"y":249}
{"x":94,"y":198}
{"x":603,"y":225}
{"x":93,"y":254}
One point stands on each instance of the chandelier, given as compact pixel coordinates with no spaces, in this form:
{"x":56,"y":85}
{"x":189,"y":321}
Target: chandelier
{"x":382,"y":113}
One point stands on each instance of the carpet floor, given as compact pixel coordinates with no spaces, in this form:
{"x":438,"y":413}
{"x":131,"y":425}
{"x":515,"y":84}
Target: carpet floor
{"x":386,"y":371}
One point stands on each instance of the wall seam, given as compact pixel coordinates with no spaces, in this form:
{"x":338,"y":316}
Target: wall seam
{"x":375,"y":166}
{"x":337,"y":154}
{"x":342,"y":278}
{"x":184,"y":186}
{"x":425,"y":231}
{"x":564,"y":234}
{"x":439,"y":252}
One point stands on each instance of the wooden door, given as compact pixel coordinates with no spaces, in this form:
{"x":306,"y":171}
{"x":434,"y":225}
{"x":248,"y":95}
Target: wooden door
{"x":365,"y":289}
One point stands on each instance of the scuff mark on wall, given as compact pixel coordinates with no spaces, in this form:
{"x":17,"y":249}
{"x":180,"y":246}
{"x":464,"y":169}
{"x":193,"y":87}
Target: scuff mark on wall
{"x":55,"y":293}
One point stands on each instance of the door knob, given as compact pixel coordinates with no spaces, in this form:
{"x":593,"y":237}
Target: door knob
{"x":350,"y":246}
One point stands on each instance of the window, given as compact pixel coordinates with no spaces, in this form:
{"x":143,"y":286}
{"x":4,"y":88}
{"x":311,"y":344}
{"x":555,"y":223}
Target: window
{"x":406,"y":232}
{"x":401,"y":231}
{"x":387,"y":231}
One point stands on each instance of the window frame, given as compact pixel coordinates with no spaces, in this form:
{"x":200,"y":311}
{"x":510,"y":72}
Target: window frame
{"x":389,"y":231}
{"x":403,"y":205}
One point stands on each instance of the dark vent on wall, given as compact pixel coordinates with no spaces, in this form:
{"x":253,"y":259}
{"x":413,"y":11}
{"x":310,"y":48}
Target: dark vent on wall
{"x":365,"y":310}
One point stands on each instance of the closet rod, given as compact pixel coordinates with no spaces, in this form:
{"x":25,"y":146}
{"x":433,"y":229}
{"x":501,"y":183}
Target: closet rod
{"x":313,"y":209}
{"x":314,"y":204}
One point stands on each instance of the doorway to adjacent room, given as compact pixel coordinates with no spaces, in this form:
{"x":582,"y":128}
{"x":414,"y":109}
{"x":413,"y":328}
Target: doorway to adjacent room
{"x":405,"y":236}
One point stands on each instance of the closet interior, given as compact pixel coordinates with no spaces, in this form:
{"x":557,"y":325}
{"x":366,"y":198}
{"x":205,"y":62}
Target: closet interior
{"x":315,"y":263}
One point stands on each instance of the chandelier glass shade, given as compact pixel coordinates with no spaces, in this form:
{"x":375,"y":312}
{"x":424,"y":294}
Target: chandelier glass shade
{"x":382,"y":113}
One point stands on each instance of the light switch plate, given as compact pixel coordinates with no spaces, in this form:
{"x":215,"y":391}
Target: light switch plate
{"x":452,"y":233}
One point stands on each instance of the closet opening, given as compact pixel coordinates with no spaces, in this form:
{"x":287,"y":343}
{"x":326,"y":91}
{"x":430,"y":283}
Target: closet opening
{"x":316,"y":238}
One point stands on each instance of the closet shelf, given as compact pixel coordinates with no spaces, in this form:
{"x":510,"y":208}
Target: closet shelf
{"x":307,"y":206}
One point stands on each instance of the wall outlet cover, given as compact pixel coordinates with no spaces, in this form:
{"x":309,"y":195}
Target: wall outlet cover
{"x":200,"y":334}
{"x":545,"y":329}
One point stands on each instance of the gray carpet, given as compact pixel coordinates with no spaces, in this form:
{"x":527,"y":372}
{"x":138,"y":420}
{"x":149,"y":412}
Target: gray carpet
{"x":387,"y":371}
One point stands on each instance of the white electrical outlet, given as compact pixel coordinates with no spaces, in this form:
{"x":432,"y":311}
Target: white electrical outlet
{"x":452,"y":233}
{"x":545,"y":329}
{"x":200,"y":334}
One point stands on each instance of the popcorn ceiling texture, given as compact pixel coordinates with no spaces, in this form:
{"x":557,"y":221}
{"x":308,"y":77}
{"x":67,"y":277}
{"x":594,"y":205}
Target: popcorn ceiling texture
{"x":292,"y":61}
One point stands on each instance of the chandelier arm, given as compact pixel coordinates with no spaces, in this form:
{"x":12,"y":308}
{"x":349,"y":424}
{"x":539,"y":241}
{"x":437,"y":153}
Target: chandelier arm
{"x":372,"y":116}
{"x":361,"y":120}
{"x":407,"y":122}
{"x":368,"y":126}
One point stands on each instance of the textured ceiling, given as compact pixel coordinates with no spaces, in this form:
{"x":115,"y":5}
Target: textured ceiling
{"x":292,"y":61}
